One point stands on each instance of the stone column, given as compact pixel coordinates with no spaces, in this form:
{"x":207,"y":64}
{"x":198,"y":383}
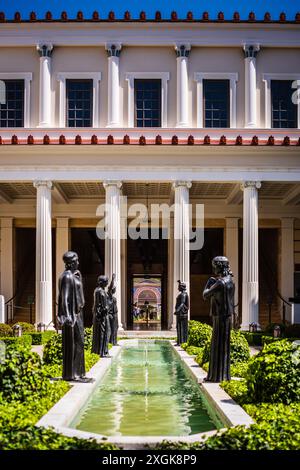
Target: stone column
{"x":6,"y":256}
{"x":113,"y":240}
{"x":45,"y":111}
{"x":113,"y":53}
{"x":62,"y":246}
{"x":232,"y":251}
{"x":181,"y":237}
{"x":251,"y":52}
{"x":250,"y":254}
{"x":43,"y":301}
{"x":182,"y":54}
{"x":287,"y":261}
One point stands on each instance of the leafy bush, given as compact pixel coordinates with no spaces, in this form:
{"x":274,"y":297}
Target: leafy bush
{"x":277,"y":428}
{"x":22,"y":375}
{"x":184,"y":346}
{"x":52,"y":354}
{"x":239,"y":349}
{"x":88,"y":339}
{"x":273,"y":374}
{"x":239,"y":369}
{"x":41,"y":337}
{"x":24,"y":340}
{"x":26,"y":327}
{"x":193,"y":350}
{"x":5,"y":330}
{"x":34,"y":438}
{"x":253,"y":339}
{"x":237,"y":389}
{"x":292,"y":331}
{"x":55,"y":370}
{"x":269,"y":340}
{"x":199,"y":333}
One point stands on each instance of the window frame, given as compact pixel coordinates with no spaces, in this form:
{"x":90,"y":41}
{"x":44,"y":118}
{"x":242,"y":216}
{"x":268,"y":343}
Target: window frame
{"x":77,"y":80}
{"x":157,"y":80}
{"x":27,"y":77}
{"x":62,"y":77}
{"x":233,"y":79}
{"x":228,"y":102}
{"x":267,"y":78}
{"x":164,"y":77}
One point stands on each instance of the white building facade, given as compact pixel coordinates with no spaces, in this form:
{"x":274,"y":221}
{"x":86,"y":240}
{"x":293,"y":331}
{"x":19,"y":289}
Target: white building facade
{"x":191,"y":112}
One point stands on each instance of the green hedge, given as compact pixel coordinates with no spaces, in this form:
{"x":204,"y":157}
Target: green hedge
{"x":253,"y":339}
{"x":198,"y":334}
{"x":273,"y":374}
{"x":26,"y":327}
{"x":5,"y":330}
{"x":24,"y":340}
{"x":277,"y":428}
{"x":39,"y":338}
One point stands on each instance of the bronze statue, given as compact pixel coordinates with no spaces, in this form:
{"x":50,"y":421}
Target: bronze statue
{"x":220,"y":290}
{"x":101,"y":324}
{"x":70,"y":317}
{"x":113,"y":311}
{"x":181,"y":312}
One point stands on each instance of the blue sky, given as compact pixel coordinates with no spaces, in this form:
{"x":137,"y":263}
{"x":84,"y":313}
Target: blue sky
{"x":275,"y":7}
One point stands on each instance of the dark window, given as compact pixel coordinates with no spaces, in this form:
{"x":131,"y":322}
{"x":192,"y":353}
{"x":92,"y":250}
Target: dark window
{"x":12,"y":111}
{"x":147,"y":103}
{"x":79,"y":103}
{"x":216,"y":103}
{"x":284,"y":111}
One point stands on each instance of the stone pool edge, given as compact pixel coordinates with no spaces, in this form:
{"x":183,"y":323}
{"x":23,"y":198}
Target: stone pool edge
{"x":230,"y":413}
{"x":61,"y":415}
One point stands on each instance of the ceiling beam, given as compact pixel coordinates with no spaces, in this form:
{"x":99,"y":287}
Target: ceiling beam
{"x":59,"y":196}
{"x":293,"y":196}
{"x":5,"y":198}
{"x":236,"y":195}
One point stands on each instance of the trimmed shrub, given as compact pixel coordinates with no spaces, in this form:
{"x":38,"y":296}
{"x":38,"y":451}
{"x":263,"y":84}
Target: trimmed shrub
{"x":24,"y":340}
{"x":88,"y":339}
{"x":253,"y":339}
{"x":26,"y":327}
{"x":277,"y":428}
{"x":34,"y":438}
{"x":237,"y":389}
{"x":52,"y":354}
{"x":193,"y":350}
{"x":239,"y":369}
{"x":55,"y":370}
{"x":41,"y":337}
{"x":273,"y":374}
{"x":22,"y":375}
{"x":5,"y":330}
{"x":199,"y":333}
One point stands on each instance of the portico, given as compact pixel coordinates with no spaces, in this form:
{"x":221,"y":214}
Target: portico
{"x":239,"y":204}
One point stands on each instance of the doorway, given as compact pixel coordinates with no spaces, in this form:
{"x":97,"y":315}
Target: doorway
{"x":146,"y":301}
{"x":147,"y":273}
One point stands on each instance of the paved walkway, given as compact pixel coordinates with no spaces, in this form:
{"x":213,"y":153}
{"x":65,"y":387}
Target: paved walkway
{"x":38,"y":349}
{"x":254,"y":350}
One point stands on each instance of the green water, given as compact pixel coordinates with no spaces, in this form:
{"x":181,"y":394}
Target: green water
{"x":146,"y":392}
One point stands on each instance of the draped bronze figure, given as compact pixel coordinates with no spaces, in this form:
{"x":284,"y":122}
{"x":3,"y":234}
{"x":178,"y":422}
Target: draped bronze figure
{"x":181,"y":311}
{"x":70,"y":317}
{"x":220,"y":291}
{"x":113,"y":311}
{"x":101,"y":324}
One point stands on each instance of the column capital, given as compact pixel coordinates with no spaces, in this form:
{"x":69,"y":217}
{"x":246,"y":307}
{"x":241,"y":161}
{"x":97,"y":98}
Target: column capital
{"x":45,"y":50}
{"x":250,"y":184}
{"x":116,"y":183}
{"x":287,"y":222}
{"x":39,"y":183}
{"x":251,"y":50}
{"x":113,"y":49}
{"x":177,"y":184}
{"x":182,"y":50}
